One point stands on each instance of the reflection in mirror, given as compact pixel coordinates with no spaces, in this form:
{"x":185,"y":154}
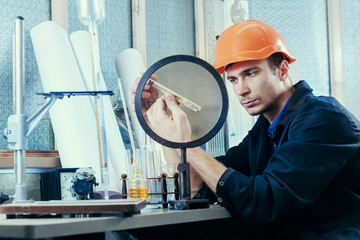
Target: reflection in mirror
{"x":195,"y":89}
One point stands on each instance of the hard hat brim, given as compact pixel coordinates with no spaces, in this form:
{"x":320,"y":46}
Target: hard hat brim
{"x":251,"y":56}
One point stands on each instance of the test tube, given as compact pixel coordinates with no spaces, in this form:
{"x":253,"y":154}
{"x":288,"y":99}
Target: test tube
{"x":191,"y":105}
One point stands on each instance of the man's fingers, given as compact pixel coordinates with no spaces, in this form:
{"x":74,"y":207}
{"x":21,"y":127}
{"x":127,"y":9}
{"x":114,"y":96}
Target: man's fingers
{"x":159,"y":109}
{"x":170,"y":101}
{"x":153,"y":77}
{"x":173,"y":105}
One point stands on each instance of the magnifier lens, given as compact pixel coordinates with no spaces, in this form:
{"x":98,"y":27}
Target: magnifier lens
{"x":201,"y":93}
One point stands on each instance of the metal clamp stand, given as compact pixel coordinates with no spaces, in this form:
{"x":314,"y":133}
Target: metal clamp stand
{"x":19,"y":127}
{"x":18,"y":108}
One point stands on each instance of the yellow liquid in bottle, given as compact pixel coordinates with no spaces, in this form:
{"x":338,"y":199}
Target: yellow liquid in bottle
{"x":138,"y":193}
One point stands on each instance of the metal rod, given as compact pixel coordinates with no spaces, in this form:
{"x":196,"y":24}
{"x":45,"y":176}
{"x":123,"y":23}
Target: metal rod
{"x":18,"y":105}
{"x":33,"y":121}
{"x":184,"y":170}
{"x":127,"y":119}
{"x":18,"y":66}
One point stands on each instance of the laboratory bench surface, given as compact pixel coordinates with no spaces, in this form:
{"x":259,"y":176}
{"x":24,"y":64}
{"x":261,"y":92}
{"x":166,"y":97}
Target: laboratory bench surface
{"x":149,"y":217}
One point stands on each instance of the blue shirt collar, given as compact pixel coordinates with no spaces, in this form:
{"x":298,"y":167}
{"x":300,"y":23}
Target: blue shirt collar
{"x":272,"y":126}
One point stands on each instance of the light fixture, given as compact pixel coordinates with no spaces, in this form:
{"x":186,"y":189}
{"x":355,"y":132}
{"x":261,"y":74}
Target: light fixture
{"x":238,"y":11}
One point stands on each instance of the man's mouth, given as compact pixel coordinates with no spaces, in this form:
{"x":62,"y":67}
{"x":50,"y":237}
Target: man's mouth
{"x":248,"y":103}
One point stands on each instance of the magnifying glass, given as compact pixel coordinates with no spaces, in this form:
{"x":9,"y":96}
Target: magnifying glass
{"x":202,"y":95}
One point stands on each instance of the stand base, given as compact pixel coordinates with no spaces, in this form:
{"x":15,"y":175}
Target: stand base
{"x":186,"y":204}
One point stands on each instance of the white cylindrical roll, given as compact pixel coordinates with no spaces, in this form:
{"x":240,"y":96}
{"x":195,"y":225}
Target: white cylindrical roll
{"x":115,"y":145}
{"x":72,"y":118}
{"x":130,"y":66}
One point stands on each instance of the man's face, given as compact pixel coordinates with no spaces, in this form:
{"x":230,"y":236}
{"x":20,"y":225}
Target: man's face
{"x":257,"y":87}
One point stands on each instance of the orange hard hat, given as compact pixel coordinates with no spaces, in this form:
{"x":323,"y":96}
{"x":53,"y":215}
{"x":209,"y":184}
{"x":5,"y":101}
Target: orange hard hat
{"x":248,"y":40}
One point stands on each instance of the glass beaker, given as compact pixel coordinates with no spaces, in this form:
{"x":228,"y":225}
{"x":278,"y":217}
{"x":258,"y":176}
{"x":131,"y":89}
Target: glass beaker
{"x":138,"y":184}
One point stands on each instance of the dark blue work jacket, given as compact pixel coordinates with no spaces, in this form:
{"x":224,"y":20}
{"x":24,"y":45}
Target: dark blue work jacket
{"x":310,"y":184}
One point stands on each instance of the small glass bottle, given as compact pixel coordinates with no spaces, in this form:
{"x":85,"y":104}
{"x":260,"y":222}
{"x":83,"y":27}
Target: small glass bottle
{"x":137,"y":184}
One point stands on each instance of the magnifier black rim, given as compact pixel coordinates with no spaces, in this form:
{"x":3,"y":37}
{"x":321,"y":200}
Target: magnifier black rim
{"x":222,"y":117}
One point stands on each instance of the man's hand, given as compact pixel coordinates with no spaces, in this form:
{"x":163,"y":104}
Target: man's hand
{"x":172,"y":126}
{"x":148,"y":96}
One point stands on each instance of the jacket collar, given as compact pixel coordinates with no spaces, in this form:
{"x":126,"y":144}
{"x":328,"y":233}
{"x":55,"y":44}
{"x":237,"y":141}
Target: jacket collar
{"x":302,"y":90}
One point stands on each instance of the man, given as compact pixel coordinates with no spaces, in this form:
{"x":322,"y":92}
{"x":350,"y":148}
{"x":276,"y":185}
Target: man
{"x":296,"y":173}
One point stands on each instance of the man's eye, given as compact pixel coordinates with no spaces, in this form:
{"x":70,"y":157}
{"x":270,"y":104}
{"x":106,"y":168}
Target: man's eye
{"x":252,"y":73}
{"x":233,"y":80}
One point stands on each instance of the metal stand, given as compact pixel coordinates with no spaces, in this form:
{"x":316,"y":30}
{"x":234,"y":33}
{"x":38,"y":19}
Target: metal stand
{"x":184,"y":170}
{"x":18,"y":108}
{"x":19,"y":128}
{"x":185,"y":201}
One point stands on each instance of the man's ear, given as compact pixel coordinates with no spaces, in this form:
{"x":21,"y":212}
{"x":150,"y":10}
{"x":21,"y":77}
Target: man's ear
{"x":284,"y":70}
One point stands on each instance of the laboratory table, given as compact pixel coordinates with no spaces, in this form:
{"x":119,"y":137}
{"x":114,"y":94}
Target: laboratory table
{"x":149,"y":217}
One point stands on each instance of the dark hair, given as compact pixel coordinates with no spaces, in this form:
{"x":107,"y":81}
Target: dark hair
{"x":275,"y":60}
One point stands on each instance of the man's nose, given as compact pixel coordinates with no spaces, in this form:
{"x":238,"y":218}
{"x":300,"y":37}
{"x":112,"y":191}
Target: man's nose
{"x":241,"y":89}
